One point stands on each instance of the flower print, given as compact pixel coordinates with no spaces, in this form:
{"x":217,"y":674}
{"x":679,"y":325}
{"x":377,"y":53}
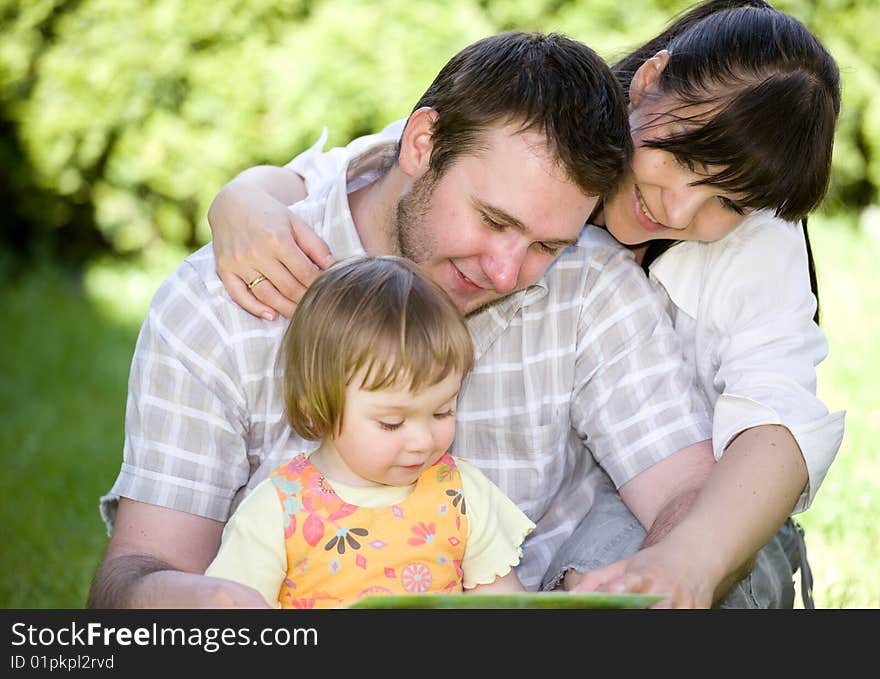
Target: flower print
{"x":416,"y":578}
{"x":292,"y":504}
{"x":303,"y":603}
{"x":310,"y":602}
{"x":287,"y":492}
{"x":313,"y":529}
{"x":321,"y":494}
{"x":445,"y":465}
{"x":289,"y":525}
{"x":297,"y":465}
{"x":373,"y":589}
{"x":344,"y":535}
{"x":424,"y":534}
{"x":287,"y":487}
{"x":457,"y":496}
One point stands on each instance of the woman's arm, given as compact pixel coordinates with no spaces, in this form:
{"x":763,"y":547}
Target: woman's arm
{"x":741,"y":506}
{"x":772,"y":436}
{"x":255,"y":234}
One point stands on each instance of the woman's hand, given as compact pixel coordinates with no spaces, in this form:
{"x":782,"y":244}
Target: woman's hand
{"x":265,"y":256}
{"x":659,"y":569}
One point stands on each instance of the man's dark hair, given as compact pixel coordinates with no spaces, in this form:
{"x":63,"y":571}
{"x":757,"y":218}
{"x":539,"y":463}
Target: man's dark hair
{"x":547,"y":83}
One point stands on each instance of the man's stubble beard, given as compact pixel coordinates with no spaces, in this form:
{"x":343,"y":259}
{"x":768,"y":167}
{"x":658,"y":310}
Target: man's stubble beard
{"x":410,"y":235}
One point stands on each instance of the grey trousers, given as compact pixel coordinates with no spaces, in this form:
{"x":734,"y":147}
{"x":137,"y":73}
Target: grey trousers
{"x":610,"y":532}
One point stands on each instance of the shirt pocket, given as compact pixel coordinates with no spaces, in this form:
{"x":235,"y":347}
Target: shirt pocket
{"x":527,"y":463}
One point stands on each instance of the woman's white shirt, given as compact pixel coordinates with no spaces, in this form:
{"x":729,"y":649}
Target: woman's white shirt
{"x":744,"y":310}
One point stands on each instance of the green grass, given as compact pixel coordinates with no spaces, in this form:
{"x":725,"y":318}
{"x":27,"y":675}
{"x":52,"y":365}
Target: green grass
{"x":64,"y":358}
{"x":65,"y":353}
{"x":64,"y":367}
{"x":843,"y":535}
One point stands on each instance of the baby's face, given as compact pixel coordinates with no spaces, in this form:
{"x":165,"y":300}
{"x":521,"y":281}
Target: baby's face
{"x":391,"y":436}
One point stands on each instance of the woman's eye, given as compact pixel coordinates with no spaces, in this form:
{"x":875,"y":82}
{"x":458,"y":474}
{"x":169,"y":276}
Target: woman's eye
{"x":390,"y":426}
{"x":733,"y":207}
{"x":686,"y":163}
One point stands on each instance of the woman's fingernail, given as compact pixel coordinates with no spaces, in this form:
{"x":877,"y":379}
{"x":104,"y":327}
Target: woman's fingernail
{"x":268,"y":316}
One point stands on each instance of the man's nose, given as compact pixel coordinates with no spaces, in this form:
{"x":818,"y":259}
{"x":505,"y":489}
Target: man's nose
{"x":504,"y":262}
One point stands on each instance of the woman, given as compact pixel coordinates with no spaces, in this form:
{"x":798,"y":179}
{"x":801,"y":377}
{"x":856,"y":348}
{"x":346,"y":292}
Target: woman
{"x":732,"y":111}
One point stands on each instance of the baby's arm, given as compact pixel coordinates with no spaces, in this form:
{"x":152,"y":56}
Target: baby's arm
{"x":252,"y":551}
{"x":496,"y":530}
{"x":506,"y":584}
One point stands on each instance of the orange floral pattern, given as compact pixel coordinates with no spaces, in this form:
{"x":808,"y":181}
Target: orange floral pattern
{"x":338,"y":552}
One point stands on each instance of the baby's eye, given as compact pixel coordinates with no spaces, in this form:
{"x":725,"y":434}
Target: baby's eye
{"x":390,"y":426}
{"x":447,"y":413}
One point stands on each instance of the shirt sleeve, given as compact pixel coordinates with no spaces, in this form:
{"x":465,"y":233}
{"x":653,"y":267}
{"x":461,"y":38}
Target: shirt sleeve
{"x":316,"y":166}
{"x":634,"y":401}
{"x":496,"y":528}
{"x":252,"y":550}
{"x":767,"y":352}
{"x":186,"y":417}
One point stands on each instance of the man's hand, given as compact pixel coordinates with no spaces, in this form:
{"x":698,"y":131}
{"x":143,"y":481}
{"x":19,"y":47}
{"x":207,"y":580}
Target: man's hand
{"x":156,"y":558}
{"x":175,"y":589}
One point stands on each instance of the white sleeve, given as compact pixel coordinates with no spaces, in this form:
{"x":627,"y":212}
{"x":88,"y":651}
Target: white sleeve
{"x":496,"y":528}
{"x":252,"y":550}
{"x":315,"y":165}
{"x":768,"y":347}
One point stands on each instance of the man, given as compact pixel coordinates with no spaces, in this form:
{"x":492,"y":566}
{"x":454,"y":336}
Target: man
{"x":578,"y":369}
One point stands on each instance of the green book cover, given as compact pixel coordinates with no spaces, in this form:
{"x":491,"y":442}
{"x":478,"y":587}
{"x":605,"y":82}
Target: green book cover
{"x":523,"y":600}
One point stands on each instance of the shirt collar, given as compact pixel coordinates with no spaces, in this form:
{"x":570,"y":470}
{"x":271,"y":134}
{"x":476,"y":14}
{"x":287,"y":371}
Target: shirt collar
{"x":680,"y":274}
{"x":488,"y":324}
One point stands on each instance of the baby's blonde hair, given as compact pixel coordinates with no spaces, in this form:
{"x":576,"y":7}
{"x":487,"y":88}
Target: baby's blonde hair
{"x":373,"y":316}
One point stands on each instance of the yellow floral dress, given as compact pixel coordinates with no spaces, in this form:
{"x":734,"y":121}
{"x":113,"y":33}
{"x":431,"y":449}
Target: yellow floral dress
{"x":338,"y":553}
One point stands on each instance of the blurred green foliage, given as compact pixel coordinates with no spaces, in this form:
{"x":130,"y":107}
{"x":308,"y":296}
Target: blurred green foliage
{"x":121,"y":119}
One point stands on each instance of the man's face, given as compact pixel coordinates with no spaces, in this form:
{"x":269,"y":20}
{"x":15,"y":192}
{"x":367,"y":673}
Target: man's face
{"x":494,"y":221}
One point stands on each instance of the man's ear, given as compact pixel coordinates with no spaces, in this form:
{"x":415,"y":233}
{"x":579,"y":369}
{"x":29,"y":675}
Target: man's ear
{"x":646,"y":77}
{"x":417,"y":142}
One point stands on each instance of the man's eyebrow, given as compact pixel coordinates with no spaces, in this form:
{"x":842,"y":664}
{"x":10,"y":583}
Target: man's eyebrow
{"x":506,"y":219}
{"x":500,"y":216}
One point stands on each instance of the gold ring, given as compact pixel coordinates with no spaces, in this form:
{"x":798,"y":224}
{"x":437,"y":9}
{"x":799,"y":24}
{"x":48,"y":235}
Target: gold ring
{"x":259,"y":279}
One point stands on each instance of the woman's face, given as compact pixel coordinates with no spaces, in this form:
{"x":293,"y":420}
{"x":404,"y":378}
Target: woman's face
{"x":658,"y":199}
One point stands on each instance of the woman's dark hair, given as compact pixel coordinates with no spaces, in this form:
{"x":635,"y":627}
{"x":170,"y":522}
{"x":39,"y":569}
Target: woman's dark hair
{"x":773,"y":92}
